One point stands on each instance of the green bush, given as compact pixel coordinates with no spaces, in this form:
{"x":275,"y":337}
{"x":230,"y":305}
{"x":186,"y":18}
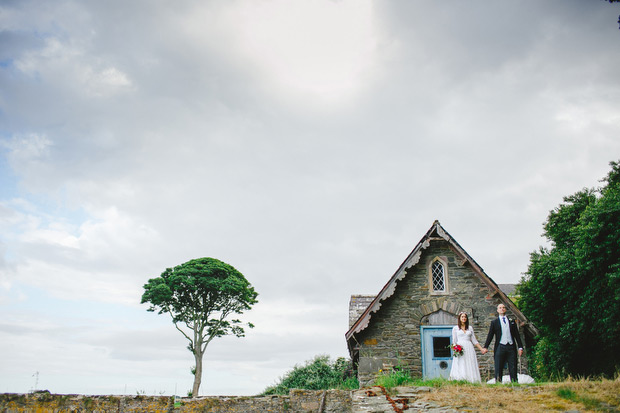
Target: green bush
{"x":542,"y":361}
{"x":318,"y":374}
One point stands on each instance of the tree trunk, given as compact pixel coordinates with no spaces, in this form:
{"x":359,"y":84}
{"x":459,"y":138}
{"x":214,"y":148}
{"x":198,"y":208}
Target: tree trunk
{"x":198,"y":374}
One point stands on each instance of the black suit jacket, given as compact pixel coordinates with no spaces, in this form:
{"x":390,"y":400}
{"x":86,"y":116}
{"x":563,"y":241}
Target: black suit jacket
{"x":495,"y":330}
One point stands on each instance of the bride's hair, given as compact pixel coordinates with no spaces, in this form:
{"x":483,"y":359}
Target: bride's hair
{"x":458,"y":320}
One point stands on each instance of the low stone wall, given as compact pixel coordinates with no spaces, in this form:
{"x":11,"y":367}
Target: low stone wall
{"x":329,"y":401}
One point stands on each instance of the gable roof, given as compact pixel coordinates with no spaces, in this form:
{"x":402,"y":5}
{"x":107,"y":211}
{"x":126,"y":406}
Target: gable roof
{"x":435,"y":232}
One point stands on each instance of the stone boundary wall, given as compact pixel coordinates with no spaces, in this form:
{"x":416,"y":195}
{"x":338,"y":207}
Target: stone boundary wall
{"x":328,"y":401}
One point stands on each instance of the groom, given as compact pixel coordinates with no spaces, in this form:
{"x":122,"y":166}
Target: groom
{"x":506,"y":333}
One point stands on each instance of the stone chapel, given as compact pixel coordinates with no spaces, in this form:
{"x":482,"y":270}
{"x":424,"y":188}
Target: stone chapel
{"x":408,"y":324}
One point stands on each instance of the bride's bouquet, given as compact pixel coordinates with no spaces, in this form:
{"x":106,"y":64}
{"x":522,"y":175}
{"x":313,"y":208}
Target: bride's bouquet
{"x":457,"y":350}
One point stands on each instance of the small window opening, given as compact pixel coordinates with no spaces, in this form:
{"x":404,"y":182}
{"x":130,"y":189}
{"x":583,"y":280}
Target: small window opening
{"x":439,"y":283}
{"x":441,"y":347}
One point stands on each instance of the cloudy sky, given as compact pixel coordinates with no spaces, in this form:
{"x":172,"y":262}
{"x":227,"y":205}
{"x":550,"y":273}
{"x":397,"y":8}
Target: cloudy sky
{"x":310,"y":144}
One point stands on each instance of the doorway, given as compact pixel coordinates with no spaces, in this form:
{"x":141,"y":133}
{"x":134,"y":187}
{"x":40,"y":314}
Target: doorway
{"x":436,"y":355}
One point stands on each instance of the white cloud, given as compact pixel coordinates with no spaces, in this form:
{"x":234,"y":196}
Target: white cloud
{"x":68,"y":63}
{"x":321,"y":50}
{"x":29,"y":148}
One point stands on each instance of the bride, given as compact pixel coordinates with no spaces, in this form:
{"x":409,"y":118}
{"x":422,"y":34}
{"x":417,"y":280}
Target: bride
{"x":465,"y":366}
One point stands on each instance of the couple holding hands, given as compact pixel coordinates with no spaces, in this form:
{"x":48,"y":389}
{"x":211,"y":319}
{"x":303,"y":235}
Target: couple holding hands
{"x":507,"y":344}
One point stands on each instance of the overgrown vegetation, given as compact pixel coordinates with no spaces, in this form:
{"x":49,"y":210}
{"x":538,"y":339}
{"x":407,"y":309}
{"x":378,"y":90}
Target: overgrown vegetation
{"x":571,"y":291}
{"x":320,"y":373}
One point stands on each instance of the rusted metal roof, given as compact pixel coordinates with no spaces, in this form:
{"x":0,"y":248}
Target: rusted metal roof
{"x":436,"y":232}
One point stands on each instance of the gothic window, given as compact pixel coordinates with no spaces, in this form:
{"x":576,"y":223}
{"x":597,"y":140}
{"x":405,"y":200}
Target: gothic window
{"x":438,"y":279}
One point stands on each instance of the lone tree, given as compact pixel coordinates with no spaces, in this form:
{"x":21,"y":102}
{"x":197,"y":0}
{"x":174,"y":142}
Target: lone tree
{"x":571,"y":291}
{"x":201,"y":294}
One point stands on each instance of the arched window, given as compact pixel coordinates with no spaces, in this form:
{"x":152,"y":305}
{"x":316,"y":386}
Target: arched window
{"x":438,"y":276}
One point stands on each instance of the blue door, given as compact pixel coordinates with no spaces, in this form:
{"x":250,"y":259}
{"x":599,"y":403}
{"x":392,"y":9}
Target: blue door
{"x":436,"y":355}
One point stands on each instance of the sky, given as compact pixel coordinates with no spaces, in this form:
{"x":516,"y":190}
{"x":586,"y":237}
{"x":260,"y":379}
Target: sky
{"x":309,"y":144}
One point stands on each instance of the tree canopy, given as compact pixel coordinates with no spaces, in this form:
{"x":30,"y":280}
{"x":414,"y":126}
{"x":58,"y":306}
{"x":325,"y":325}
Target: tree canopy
{"x":200,"y":296}
{"x":571,"y":290}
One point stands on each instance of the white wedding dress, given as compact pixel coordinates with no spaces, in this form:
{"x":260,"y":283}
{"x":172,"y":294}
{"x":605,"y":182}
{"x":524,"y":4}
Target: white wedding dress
{"x":465,"y":367}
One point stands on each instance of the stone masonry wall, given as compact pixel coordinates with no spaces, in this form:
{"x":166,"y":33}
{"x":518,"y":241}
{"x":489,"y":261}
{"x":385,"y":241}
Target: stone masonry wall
{"x":392,"y":337}
{"x":329,"y":401}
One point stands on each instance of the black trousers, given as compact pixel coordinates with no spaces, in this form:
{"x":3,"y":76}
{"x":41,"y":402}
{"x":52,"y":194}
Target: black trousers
{"x":505,"y":353}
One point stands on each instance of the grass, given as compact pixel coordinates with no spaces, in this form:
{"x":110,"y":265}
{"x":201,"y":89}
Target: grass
{"x":402,"y":378}
{"x":350,"y":383}
{"x":589,"y":402}
{"x":584,"y":395}
{"x":578,"y":395}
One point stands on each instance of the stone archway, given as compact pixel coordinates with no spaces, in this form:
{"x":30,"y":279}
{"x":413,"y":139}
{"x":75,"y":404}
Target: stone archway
{"x":440,"y":311}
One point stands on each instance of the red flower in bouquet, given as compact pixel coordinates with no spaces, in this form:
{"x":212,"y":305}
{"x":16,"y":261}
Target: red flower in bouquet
{"x":457,"y":350}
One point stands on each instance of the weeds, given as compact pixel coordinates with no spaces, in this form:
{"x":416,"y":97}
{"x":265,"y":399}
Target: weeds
{"x":394,"y":378}
{"x":349,"y":383}
{"x":318,"y":374}
{"x":401,"y":377}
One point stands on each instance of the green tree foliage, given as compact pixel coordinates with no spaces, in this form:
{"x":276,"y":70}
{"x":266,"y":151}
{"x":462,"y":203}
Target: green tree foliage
{"x":317,"y":374}
{"x":201,"y":295}
{"x":571,"y":290}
